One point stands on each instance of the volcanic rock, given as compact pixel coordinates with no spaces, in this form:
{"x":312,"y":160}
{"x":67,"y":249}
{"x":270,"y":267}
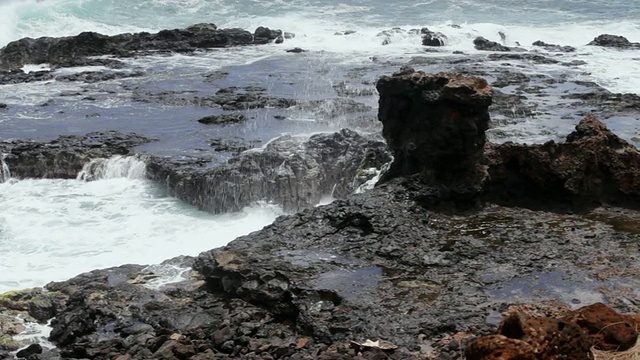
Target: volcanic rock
{"x":431,"y":38}
{"x":58,"y":51}
{"x":435,"y":126}
{"x":64,"y":157}
{"x":481,"y":43}
{"x":607,"y":329}
{"x":553,"y":47}
{"x":613,"y":41}
{"x":290,"y":171}
{"x":593,"y":167}
{"x":223,"y":119}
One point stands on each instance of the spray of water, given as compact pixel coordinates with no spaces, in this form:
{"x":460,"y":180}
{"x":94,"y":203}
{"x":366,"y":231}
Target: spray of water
{"x":5,"y":174}
{"x":130,"y":167}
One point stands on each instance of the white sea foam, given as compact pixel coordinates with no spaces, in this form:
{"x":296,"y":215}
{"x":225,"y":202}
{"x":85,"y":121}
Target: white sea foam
{"x":56,"y":229}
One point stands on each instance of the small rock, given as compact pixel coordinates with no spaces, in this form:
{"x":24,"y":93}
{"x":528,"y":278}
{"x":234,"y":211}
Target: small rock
{"x":296,"y":50}
{"x":481,"y":43}
{"x":29,"y":350}
{"x":223,"y":119}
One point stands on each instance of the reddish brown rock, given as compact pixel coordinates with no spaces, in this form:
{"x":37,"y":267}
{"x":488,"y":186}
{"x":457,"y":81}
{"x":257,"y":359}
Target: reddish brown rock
{"x":593,"y":167}
{"x":533,"y":338}
{"x":435,"y":126}
{"x":607,"y":329}
{"x":499,"y":347}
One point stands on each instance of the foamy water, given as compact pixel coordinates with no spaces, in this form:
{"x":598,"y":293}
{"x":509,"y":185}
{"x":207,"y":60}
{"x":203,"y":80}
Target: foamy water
{"x":56,"y":229}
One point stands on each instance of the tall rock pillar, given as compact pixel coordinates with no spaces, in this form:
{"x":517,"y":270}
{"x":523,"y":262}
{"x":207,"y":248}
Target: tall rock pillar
{"x":435,"y":126}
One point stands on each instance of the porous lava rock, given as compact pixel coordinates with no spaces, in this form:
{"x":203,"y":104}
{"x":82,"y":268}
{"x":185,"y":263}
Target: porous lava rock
{"x":607,"y":329}
{"x":593,"y":167}
{"x":572,"y":336}
{"x":435,"y":126}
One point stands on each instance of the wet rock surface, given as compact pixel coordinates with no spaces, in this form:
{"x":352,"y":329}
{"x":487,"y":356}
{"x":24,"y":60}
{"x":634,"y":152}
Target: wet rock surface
{"x":64,"y":157}
{"x":593,"y":167}
{"x":614,"y":41}
{"x":291,"y":171}
{"x":59,"y":51}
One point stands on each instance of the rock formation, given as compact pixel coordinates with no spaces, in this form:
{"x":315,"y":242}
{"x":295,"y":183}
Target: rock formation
{"x":64,"y":157}
{"x":572,"y":336}
{"x":614,"y":41}
{"x":593,"y":167}
{"x":67,"y":50}
{"x":290,"y":171}
{"x":435,"y":126}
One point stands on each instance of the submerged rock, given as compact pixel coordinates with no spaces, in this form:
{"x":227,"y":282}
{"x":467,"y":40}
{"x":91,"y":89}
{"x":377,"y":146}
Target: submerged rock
{"x":553,"y":47}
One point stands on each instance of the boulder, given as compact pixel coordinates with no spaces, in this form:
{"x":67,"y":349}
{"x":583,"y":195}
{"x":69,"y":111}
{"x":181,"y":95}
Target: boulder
{"x":431,"y":38}
{"x":435,"y":126}
{"x":593,"y":167}
{"x":613,"y":41}
{"x":481,"y":43}
{"x":264,"y":35}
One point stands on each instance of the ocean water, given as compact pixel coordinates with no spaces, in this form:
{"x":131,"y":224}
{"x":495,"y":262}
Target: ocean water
{"x":54,"y":229}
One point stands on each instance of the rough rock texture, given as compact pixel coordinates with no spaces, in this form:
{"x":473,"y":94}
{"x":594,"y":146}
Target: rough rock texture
{"x":431,"y":38}
{"x":435,"y":125}
{"x":481,"y":43}
{"x":572,"y":336}
{"x":291,"y":171}
{"x":593,"y":167}
{"x":64,"y":157}
{"x":553,"y":47}
{"x":222,"y":119}
{"x":57,"y":51}
{"x":614,"y":41}
{"x":607,"y":329}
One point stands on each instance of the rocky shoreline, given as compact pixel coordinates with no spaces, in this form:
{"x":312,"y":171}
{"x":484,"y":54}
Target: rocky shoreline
{"x":457,"y":232}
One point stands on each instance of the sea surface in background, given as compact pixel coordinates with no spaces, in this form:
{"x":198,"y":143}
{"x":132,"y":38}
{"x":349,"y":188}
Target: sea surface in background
{"x":54,"y":229}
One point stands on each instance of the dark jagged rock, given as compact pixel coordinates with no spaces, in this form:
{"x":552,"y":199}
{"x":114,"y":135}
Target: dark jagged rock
{"x":296,"y":50}
{"x":431,"y":38}
{"x":98,"y":76}
{"x":264,"y":35}
{"x":553,"y":47}
{"x":32,"y":349}
{"x":481,"y":43}
{"x":223,"y":119}
{"x":15,"y":77}
{"x":64,"y":157}
{"x":61,"y":51}
{"x":289,"y":171}
{"x":614,"y":41}
{"x":535,"y":58}
{"x":435,"y":125}
{"x":593,"y":167}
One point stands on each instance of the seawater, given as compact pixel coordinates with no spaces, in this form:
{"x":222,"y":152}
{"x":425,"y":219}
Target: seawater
{"x":315,"y":23}
{"x":55,"y":229}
